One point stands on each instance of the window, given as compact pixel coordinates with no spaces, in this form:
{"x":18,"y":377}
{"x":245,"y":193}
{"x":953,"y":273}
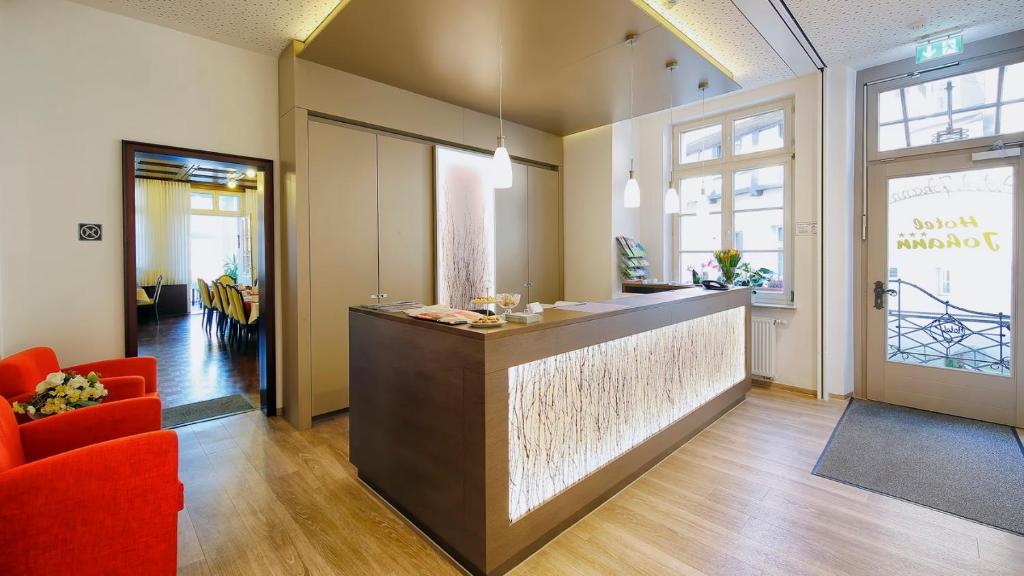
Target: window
{"x":217,"y":203}
{"x":734,"y":173}
{"x":229,"y":203}
{"x":759,"y":133}
{"x":701,"y":144}
{"x":202,"y":201}
{"x":974,"y":105}
{"x":220,"y":232}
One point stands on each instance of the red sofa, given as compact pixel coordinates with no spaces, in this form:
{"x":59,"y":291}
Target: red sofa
{"x":122,"y":377}
{"x":89,"y":492}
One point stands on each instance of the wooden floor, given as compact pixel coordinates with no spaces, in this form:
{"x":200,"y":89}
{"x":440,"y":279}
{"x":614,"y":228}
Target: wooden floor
{"x":262,"y":498}
{"x":196,"y":365}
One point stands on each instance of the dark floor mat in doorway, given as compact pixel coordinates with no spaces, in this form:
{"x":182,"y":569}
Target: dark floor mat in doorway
{"x":205,"y":410}
{"x":968,"y":468}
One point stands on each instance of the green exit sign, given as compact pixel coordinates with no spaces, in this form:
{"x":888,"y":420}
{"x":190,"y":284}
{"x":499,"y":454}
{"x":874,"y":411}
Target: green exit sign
{"x":949,"y":46}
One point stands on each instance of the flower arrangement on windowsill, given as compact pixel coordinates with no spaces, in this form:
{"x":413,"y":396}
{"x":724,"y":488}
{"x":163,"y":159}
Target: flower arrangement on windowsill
{"x":747,"y":275}
{"x":62,"y":392}
{"x":727,"y":266}
{"x":728,"y":260}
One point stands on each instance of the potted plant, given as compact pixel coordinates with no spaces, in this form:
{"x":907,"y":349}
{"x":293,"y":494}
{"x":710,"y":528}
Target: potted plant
{"x":747,"y":275}
{"x":727,"y":261}
{"x":231,"y":267}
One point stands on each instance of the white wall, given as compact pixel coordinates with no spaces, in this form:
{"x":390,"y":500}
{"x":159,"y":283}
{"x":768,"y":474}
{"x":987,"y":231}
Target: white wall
{"x":587,"y":227}
{"x":624,"y":222}
{"x":839,"y":229}
{"x":76,"y":81}
{"x":798,"y":338}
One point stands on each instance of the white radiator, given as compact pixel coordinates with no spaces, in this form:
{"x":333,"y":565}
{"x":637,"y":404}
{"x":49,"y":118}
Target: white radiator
{"x":762,"y":342}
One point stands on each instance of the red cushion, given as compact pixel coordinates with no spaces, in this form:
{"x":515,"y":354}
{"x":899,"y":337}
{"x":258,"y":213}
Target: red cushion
{"x":144,"y":366}
{"x":19,"y":373}
{"x":11,"y":452}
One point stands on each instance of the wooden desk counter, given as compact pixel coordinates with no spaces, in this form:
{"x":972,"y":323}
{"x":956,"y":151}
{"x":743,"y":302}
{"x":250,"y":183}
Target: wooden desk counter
{"x":494,"y":441}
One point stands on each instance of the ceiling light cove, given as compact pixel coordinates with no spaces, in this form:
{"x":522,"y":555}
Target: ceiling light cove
{"x":721,"y":30}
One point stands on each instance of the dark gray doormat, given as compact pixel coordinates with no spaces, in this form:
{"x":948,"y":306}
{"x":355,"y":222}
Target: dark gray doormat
{"x":968,"y":468}
{"x":205,"y":410}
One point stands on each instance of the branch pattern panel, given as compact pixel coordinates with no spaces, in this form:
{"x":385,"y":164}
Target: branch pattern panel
{"x":572,"y":413}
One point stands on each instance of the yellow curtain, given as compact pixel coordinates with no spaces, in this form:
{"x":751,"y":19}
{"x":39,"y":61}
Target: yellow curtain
{"x":163,"y":214}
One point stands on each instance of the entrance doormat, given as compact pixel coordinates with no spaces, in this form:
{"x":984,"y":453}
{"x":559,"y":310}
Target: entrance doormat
{"x":964,"y":467}
{"x":205,"y":410}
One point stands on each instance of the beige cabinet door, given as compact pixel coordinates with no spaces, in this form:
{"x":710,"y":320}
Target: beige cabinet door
{"x":406,"y":170}
{"x":544,"y":236}
{"x":342,"y":251}
{"x":511,"y":248}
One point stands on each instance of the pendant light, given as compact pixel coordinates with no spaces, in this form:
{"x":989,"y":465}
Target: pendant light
{"x":631,"y":194}
{"x":671,"y":195}
{"x":703,"y":201}
{"x":502,"y":163}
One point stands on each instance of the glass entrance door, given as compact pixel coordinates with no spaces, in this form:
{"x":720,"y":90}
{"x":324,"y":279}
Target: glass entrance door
{"x":943,"y":285}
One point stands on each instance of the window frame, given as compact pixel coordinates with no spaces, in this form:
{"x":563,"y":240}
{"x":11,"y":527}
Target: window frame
{"x":873,"y":93}
{"x":727,"y":165}
{"x":216,"y":194}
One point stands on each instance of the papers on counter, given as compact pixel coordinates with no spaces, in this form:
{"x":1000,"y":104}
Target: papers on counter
{"x":444,"y":314}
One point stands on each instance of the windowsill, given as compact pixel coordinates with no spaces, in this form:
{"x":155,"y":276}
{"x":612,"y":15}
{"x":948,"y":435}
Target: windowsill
{"x":777,"y":306}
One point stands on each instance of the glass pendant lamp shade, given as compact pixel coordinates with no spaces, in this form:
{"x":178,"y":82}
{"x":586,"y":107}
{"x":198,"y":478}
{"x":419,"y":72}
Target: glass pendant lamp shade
{"x":671,"y":201}
{"x":502,"y":166}
{"x":631,"y":194}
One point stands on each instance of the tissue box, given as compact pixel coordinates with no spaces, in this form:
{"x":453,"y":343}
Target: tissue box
{"x":522,"y":317}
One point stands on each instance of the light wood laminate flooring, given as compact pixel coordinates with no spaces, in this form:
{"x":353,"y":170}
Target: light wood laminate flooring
{"x":263,"y":498}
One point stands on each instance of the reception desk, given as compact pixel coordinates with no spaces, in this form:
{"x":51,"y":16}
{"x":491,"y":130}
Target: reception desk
{"x":493,"y":442}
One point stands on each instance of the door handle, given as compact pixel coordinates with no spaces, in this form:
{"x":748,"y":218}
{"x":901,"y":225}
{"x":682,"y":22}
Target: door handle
{"x":880,"y":294}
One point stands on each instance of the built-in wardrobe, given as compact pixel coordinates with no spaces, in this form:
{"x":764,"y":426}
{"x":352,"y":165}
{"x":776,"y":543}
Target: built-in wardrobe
{"x":371,"y":233}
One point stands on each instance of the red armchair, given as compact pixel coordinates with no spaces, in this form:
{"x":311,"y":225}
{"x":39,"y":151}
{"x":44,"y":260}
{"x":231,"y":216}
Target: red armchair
{"x":123,"y":377}
{"x":89,"y":492}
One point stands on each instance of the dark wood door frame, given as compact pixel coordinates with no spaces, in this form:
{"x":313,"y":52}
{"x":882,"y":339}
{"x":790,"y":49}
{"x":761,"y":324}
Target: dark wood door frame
{"x":267,"y":345}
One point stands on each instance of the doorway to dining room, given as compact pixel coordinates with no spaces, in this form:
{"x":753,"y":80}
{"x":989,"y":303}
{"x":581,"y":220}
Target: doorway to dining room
{"x":199,"y":277}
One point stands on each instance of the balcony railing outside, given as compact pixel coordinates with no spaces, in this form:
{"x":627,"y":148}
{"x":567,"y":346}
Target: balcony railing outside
{"x":957,"y":338}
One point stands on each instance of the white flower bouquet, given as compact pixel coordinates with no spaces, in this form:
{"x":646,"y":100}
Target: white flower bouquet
{"x":63,"y":392}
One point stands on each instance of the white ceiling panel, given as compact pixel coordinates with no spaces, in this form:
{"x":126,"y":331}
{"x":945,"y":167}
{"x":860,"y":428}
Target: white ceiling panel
{"x":723,"y":31}
{"x":865,"y":33}
{"x":259,"y":25}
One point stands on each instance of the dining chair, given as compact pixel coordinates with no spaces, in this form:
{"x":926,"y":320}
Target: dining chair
{"x":223,"y":307}
{"x":226,"y":280}
{"x":206,"y":299}
{"x":241,"y":325}
{"x":154,"y":301}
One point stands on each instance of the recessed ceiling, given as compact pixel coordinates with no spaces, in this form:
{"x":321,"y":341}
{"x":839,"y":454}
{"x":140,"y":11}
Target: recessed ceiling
{"x":260,"y":25}
{"x":182,"y":169}
{"x":567,"y":66}
{"x":871,"y":32}
{"x":858,"y":33}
